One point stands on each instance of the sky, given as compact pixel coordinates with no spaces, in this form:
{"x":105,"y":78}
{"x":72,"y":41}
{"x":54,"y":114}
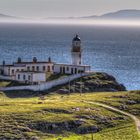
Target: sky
{"x":64,"y":8}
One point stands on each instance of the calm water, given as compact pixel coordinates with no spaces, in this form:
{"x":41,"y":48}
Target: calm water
{"x":115,"y":50}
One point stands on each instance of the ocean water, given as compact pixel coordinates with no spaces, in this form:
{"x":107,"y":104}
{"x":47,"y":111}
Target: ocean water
{"x":115,"y":50}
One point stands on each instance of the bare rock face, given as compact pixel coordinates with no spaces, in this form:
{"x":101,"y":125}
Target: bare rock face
{"x":35,"y":138}
{"x":90,"y":129}
{"x":131,"y":102}
{"x":58,"y":127}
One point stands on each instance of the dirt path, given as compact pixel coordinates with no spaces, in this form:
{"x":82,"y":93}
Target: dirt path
{"x":137,"y":121}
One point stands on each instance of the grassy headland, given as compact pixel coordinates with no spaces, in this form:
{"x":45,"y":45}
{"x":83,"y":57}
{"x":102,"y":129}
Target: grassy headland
{"x":67,"y":117}
{"x":70,"y":116}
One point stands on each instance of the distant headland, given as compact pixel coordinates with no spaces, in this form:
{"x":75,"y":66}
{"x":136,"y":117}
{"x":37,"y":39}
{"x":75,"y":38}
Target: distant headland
{"x":127,"y":14}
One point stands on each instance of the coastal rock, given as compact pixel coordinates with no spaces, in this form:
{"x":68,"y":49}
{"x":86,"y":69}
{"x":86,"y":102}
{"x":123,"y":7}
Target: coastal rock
{"x":58,"y":127}
{"x":96,"y":82}
{"x":89,"y":129}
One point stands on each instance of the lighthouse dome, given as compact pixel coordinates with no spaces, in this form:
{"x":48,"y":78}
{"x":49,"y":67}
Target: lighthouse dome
{"x":76,"y":38}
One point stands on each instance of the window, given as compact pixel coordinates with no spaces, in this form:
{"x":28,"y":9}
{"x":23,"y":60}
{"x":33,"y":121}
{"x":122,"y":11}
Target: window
{"x":24,"y":77}
{"x":71,"y":70}
{"x":67,"y":68}
{"x":33,"y":68}
{"x":37,"y":68}
{"x":29,"y":77}
{"x":75,"y":70}
{"x":49,"y":69}
{"x":13,"y":71}
{"x":44,"y":68}
{"x":22,"y":69}
{"x":18,"y":76}
{"x":64,"y":70}
{"x":28,"y":68}
{"x":17,"y":69}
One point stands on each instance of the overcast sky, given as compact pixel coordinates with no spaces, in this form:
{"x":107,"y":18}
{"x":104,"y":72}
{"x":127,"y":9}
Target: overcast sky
{"x":64,"y":8}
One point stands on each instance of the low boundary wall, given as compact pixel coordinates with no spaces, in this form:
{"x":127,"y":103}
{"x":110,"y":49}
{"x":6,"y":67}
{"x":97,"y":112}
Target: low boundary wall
{"x":46,"y":85}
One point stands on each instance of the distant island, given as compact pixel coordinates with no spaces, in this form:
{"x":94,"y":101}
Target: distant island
{"x":4,"y":16}
{"x":122,"y":14}
{"x":118,"y":15}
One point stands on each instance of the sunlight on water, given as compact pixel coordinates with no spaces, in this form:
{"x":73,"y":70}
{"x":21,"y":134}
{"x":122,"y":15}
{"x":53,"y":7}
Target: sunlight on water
{"x":114,"y":50}
{"x":75,"y":21}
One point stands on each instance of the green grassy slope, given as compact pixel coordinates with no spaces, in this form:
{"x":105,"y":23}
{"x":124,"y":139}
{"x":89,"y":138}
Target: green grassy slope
{"x":67,"y":116}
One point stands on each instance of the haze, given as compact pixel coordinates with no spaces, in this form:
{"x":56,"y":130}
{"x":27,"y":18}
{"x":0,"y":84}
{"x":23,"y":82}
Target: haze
{"x":63,"y":8}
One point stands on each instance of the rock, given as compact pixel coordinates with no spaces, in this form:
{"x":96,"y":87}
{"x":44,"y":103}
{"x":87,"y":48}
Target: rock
{"x":131,"y":102}
{"x":123,"y":107}
{"x":24,"y":129}
{"x":96,"y":82}
{"x":35,"y":138}
{"x":63,"y":91}
{"x":121,"y":96}
{"x":89,"y":129}
{"x":54,"y":110}
{"x":49,"y":127}
{"x":118,"y":118}
{"x":76,"y":109}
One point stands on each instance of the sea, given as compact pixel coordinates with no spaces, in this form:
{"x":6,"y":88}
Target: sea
{"x":111,"y":49}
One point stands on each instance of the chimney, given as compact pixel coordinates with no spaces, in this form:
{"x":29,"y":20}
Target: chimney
{"x":3,"y":63}
{"x":49,"y":60}
{"x":19,"y":60}
{"x":34,"y":59}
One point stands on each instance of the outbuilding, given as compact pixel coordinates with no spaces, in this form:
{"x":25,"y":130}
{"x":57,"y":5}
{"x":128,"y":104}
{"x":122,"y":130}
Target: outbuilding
{"x":31,"y":77}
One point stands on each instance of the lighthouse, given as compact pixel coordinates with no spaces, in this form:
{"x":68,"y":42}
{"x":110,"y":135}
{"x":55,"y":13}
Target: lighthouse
{"x":76,"y":50}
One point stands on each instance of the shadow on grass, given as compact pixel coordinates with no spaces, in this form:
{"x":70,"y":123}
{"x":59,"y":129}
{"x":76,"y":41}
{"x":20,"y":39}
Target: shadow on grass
{"x":22,"y":94}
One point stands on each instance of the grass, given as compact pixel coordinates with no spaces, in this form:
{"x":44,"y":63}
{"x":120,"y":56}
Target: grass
{"x":26,"y":117}
{"x":127,"y":101}
{"x":7,"y":83}
{"x":118,"y":133}
{"x":50,"y":76}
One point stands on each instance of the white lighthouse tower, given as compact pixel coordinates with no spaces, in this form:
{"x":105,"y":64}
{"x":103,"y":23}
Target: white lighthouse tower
{"x":76,"y":50}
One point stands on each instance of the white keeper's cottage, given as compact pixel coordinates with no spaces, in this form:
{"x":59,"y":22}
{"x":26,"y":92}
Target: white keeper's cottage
{"x":31,"y":77}
{"x":35,"y":71}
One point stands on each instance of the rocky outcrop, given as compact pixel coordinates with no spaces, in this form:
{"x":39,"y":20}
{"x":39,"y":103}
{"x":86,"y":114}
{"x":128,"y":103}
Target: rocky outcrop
{"x":58,"y":127}
{"x":96,"y":82}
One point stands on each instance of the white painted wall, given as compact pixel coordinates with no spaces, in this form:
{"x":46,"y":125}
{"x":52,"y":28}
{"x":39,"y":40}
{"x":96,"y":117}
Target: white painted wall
{"x":39,"y":77}
{"x":40,"y":66}
{"x":30,"y":77}
{"x":76,"y":58}
{"x":46,"y":85}
{"x":8,"y":70}
{"x":23,"y":67}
